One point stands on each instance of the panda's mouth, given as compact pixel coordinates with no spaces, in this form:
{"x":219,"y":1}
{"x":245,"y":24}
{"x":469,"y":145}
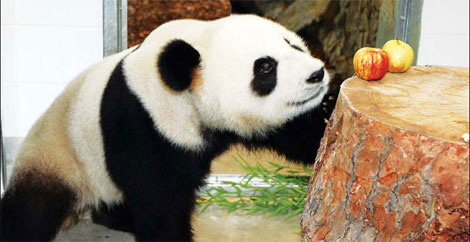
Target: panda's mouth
{"x":300,"y":103}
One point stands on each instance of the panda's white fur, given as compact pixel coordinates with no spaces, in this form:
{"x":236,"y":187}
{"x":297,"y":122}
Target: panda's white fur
{"x":174,"y":115}
{"x":67,"y":141}
{"x":85,"y":133}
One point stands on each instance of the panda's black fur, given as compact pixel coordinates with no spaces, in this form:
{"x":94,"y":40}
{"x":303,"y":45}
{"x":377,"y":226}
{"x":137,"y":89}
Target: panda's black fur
{"x":35,"y":208}
{"x":157,"y":177}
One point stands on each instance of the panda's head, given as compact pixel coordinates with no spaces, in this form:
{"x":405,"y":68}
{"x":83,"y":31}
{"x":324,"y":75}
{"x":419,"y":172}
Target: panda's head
{"x":249,"y":75}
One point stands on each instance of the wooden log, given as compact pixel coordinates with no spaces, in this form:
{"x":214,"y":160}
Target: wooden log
{"x":392,"y":165}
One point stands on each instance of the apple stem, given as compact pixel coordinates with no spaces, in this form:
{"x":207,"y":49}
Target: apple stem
{"x":398,"y":42}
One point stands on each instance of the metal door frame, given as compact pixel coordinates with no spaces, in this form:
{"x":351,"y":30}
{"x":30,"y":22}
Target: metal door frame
{"x":114,"y":26}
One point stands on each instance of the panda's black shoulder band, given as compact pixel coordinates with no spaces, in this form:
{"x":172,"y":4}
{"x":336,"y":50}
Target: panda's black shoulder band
{"x":176,"y":64}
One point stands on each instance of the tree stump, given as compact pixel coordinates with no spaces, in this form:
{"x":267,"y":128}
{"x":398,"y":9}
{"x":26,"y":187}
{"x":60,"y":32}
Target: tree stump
{"x":392,"y":165}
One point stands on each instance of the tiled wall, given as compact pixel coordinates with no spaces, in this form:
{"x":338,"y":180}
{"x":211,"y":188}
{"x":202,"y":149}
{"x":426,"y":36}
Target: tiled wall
{"x":44,"y":44}
{"x":444,"y":33}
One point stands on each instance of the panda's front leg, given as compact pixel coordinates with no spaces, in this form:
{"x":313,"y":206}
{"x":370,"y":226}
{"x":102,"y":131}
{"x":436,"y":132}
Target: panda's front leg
{"x":298,"y":139}
{"x":159,"y":192}
{"x":161,"y":212}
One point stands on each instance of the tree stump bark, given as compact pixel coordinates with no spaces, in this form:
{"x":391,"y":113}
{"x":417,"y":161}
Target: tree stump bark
{"x":392,"y":165}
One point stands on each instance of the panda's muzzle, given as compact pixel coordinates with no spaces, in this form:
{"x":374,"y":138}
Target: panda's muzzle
{"x":317,"y":76}
{"x":300,"y":103}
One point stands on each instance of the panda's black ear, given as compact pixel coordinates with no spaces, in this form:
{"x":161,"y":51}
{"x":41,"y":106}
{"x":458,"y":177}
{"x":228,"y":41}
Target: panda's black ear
{"x":176,"y":64}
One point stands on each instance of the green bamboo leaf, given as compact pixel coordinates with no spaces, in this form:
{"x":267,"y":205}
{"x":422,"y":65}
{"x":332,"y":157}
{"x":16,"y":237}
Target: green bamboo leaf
{"x":275,"y":165}
{"x":285,"y":194}
{"x":206,"y":207}
{"x":306,"y":169}
{"x":294,"y":213}
{"x":233,"y":207}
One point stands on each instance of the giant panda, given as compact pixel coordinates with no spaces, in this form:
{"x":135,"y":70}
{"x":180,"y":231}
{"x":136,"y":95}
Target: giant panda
{"x":134,"y":134}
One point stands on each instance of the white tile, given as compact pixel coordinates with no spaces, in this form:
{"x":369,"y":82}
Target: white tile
{"x":79,"y":48}
{"x":44,"y":44}
{"x":9,"y":105}
{"x":48,"y":54}
{"x":7,"y":54}
{"x":447,"y":50}
{"x":22,"y":104}
{"x":7,"y":12}
{"x":32,"y":101}
{"x":33,"y":12}
{"x":81,"y":12}
{"x":445,"y":17}
{"x":58,"y":12}
{"x":34,"y":54}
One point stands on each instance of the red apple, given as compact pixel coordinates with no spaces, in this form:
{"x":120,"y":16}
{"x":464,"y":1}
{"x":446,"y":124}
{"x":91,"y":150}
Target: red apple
{"x":400,"y":54}
{"x":370,"y":63}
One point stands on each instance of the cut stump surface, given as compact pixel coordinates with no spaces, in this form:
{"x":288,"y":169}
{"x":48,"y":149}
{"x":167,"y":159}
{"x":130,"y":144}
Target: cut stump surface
{"x":392,"y":164}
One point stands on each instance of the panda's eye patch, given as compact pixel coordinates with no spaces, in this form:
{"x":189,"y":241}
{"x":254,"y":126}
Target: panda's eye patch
{"x":265,"y":76}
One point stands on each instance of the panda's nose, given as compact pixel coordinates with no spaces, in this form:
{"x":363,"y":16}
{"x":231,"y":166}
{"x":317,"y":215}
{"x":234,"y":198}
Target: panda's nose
{"x":316,"y":76}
